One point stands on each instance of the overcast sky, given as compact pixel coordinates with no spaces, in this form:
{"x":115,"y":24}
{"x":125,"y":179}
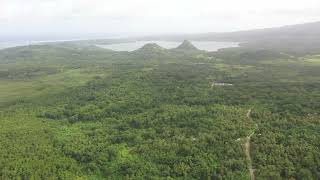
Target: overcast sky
{"x":23,"y":17}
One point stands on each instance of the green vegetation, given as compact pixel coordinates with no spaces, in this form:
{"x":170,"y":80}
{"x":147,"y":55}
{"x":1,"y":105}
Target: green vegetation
{"x":80,"y":112}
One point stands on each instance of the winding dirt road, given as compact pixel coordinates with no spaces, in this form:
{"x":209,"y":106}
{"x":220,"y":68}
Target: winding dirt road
{"x":249,"y":113}
{"x":247,"y":150}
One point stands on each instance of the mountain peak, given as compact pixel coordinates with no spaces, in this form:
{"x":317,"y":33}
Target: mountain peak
{"x":150,"y":50}
{"x":186,"y":45}
{"x":153,"y":47}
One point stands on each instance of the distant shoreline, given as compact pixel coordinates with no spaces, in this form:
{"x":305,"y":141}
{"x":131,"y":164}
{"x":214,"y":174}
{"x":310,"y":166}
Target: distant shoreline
{"x":113,"y":42}
{"x":10,"y":44}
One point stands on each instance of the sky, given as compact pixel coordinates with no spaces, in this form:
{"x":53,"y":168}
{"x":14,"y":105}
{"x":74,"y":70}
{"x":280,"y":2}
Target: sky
{"x":136,"y":17}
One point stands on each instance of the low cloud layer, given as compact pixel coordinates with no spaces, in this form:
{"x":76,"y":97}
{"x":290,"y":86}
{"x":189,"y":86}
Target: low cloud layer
{"x":150,"y":16}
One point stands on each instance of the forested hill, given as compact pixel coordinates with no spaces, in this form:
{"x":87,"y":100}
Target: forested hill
{"x":297,"y":39}
{"x":292,"y":32}
{"x":186,"y":46}
{"x":308,"y":30}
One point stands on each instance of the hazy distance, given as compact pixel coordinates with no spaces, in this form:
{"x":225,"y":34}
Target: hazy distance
{"x":81,"y":19}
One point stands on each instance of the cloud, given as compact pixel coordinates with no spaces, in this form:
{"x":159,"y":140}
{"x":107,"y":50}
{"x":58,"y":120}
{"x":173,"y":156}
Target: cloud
{"x":96,"y":16}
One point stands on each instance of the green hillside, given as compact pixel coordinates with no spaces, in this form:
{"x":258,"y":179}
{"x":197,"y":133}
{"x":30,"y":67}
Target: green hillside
{"x":72,"y":111}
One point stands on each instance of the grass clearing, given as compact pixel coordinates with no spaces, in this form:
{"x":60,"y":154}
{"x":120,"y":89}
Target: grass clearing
{"x":12,"y":90}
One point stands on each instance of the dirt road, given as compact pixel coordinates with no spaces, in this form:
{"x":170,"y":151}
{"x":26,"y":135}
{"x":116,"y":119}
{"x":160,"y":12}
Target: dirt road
{"x":247,"y":150}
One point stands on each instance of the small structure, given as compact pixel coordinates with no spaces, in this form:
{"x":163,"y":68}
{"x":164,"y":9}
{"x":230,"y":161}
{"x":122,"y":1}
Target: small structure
{"x":220,"y":84}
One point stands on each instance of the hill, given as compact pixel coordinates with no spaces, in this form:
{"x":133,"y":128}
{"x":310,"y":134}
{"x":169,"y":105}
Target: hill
{"x":300,"y":39}
{"x":186,"y":46}
{"x":151,"y":48}
{"x":300,"y":31}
